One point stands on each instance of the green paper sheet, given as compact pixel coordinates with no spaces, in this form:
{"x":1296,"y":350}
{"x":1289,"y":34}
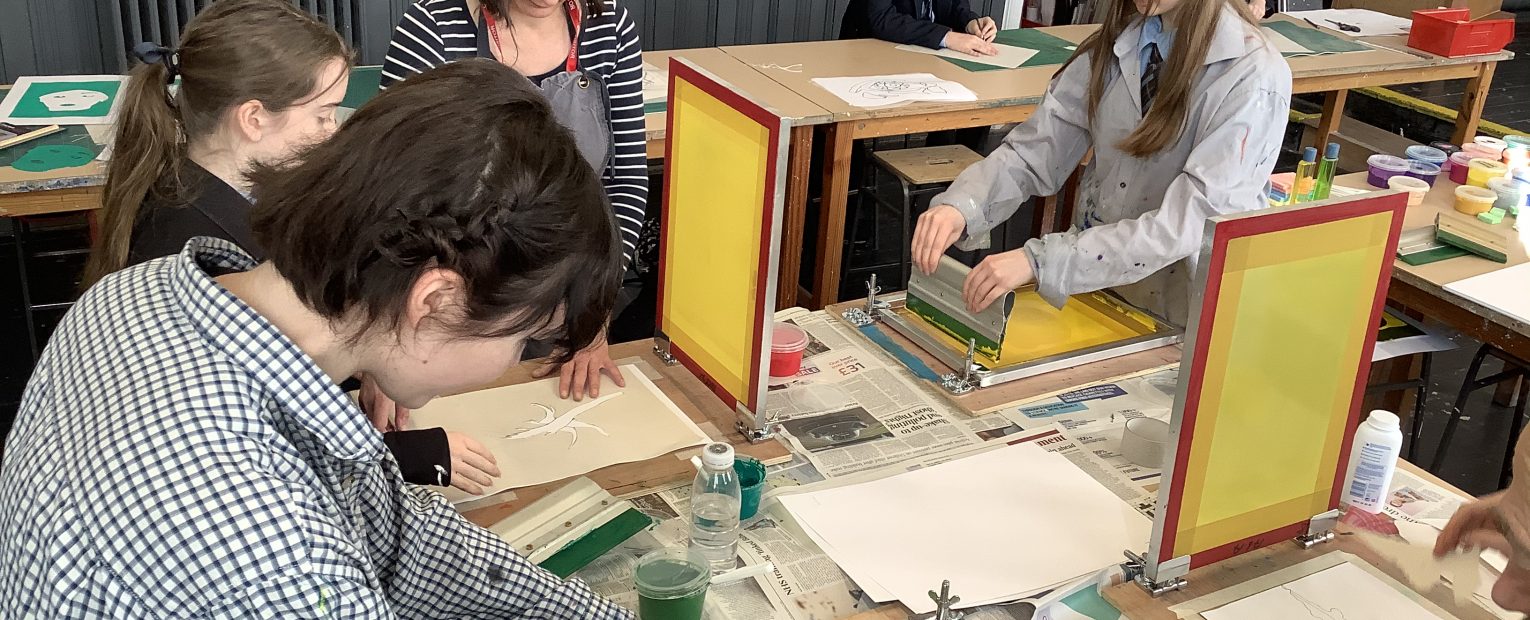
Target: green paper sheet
{"x":1050,"y":50}
{"x":1312,"y":38}
{"x":655,"y":106}
{"x":74,"y":136}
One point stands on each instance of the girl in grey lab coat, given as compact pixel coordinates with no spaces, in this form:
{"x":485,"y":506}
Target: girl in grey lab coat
{"x":1184,"y":103}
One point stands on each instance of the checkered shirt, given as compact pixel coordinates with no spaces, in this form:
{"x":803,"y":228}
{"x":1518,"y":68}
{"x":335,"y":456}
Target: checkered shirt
{"x":176,"y":456}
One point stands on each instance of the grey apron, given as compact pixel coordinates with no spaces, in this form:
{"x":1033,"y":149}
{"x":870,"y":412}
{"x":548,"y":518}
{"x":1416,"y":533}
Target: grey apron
{"x":579,"y":102}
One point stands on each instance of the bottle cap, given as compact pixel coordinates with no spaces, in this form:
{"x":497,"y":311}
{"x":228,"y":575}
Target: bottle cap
{"x":1309,"y":154}
{"x":719,"y":455}
{"x":1379,"y":417}
{"x":1332,"y":152}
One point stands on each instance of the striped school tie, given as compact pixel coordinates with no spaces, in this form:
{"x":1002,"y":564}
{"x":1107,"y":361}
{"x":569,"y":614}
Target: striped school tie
{"x":1150,"y":77}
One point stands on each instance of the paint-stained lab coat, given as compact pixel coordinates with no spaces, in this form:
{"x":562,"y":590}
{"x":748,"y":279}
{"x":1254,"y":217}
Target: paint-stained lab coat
{"x":1138,"y":223}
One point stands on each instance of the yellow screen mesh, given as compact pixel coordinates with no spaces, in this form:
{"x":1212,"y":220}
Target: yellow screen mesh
{"x":1291,"y":321}
{"x":1036,"y":330}
{"x":717,"y":165}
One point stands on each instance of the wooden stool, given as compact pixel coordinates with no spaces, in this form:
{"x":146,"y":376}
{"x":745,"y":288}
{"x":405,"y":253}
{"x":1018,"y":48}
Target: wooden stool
{"x":921,"y":174}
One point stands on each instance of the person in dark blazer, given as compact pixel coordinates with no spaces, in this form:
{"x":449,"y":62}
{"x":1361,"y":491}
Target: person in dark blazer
{"x":936,"y":24}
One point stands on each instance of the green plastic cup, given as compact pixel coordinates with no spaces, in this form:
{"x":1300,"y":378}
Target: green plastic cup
{"x":672,"y":584}
{"x":751,"y":482}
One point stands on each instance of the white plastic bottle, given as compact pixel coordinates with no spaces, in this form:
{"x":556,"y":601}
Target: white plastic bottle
{"x":715,"y":507}
{"x":1372,"y":461}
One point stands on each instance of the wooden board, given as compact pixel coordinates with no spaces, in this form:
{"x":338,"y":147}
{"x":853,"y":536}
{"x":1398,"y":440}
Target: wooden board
{"x":1136,"y":604}
{"x":679,"y":385}
{"x":983,"y":400}
{"x":49,"y":202}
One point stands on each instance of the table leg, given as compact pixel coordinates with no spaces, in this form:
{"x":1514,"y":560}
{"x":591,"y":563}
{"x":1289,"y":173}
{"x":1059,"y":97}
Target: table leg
{"x":831,"y":215}
{"x":794,"y":222}
{"x":1503,"y":395}
{"x":19,"y":233}
{"x":1472,"y":102}
{"x":1333,"y":112}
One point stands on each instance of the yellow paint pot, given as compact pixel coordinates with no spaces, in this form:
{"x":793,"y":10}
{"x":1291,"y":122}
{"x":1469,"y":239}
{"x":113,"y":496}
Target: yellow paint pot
{"x":1472,"y":200}
{"x":1480,"y":170}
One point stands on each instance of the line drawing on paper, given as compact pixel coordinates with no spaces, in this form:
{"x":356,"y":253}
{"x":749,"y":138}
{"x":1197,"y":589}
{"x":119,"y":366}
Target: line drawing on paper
{"x":1318,"y":612}
{"x":566,"y":423}
{"x":893,"y":89}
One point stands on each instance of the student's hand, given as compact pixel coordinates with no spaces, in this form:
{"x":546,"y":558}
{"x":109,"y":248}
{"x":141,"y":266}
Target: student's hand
{"x":934,"y":233}
{"x":994,"y":277}
{"x":473,"y":466}
{"x":582,"y":374}
{"x":983,"y":28}
{"x":384,"y":414}
{"x":1475,"y":525}
{"x":969,"y":44}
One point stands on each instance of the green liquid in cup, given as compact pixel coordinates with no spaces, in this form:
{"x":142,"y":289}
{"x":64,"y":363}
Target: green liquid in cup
{"x":662,"y":592}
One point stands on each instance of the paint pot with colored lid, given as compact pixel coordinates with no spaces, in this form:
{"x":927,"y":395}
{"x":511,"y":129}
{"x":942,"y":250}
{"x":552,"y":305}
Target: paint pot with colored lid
{"x":1490,"y":144}
{"x":1416,"y":188}
{"x":1419,"y":152}
{"x":1460,"y":164}
{"x":1423,"y":171}
{"x":1510,"y":193}
{"x":1472,"y":200}
{"x":1520,"y":174}
{"x":672,"y":584}
{"x":787,"y":342}
{"x":1383,"y":167}
{"x":1483,"y":169}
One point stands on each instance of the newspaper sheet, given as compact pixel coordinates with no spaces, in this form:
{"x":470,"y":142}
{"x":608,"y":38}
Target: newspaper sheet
{"x":805,"y":583}
{"x":1096,"y":415}
{"x":1417,"y":500}
{"x":849,"y":410}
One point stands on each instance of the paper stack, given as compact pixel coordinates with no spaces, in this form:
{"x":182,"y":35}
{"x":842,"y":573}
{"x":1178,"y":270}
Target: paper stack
{"x":1000,"y":525}
{"x":883,"y":90}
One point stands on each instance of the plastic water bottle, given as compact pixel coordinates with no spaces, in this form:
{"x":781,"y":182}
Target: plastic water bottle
{"x":714,"y":507}
{"x":1372,"y":461}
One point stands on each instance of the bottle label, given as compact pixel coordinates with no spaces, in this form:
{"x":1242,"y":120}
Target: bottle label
{"x":1371,"y":474}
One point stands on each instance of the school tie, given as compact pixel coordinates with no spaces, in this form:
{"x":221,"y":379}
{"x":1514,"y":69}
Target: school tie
{"x":1150,"y":77}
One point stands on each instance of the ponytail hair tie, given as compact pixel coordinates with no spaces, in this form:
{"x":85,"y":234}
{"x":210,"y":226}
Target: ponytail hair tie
{"x":152,"y":53}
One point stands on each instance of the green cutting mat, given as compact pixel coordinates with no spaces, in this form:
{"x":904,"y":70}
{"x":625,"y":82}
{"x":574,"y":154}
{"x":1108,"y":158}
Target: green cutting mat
{"x":72,"y":136}
{"x":656,"y":106}
{"x":1313,"y":39}
{"x":1050,"y":50}
{"x":365,"y":82}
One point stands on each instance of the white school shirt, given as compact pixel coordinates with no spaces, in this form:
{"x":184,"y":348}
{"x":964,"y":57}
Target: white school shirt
{"x":1138,"y":222}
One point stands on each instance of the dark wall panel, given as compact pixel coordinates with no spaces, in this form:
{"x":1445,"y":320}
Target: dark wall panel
{"x":87,"y":36}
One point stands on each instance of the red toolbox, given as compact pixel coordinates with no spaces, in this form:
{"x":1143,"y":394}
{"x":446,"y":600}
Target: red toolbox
{"x":1452,"y":32}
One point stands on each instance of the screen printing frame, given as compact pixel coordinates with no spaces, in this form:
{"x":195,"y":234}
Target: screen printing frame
{"x":740,"y":383}
{"x":1163,"y":564}
{"x":1164,"y":334}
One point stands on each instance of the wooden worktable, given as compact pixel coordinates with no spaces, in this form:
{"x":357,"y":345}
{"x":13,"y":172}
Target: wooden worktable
{"x":1421,"y":289}
{"x":1007,"y":96}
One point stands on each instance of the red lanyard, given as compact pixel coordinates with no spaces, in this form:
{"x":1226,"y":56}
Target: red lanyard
{"x":573,"y":47}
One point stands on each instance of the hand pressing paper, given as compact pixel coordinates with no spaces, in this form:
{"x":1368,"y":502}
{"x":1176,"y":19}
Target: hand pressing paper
{"x":538,"y":437}
{"x":1008,"y":57}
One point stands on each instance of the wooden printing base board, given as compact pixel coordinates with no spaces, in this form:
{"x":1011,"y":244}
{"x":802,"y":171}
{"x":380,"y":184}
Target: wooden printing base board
{"x":1136,"y":604}
{"x":689,"y":394}
{"x":984,"y":400}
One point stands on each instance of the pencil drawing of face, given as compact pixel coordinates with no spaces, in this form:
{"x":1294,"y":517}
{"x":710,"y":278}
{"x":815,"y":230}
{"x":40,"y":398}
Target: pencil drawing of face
{"x":888,"y":89}
{"x":551,"y":423}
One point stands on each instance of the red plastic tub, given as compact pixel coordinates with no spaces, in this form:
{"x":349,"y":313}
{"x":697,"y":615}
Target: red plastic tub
{"x":1451,"y":32}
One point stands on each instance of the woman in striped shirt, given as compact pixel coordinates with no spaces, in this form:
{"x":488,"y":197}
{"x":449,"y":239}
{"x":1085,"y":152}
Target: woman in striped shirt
{"x":572,"y":50}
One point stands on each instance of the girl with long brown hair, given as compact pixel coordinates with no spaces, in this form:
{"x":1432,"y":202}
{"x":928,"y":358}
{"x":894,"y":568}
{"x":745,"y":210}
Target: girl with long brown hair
{"x":1184,"y":104}
{"x":258,"y":81}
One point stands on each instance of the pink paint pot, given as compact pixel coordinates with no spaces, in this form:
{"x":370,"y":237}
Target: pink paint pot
{"x":787,"y":343}
{"x":1460,"y":164}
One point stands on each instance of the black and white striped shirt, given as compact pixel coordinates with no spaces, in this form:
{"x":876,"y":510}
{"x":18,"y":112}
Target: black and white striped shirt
{"x":434,"y":32}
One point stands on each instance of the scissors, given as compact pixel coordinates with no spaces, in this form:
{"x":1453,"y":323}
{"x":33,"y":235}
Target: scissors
{"x":1343,"y":27}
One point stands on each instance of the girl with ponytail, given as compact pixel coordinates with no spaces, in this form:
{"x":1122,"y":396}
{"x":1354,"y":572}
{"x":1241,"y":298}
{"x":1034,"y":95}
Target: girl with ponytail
{"x":257,"y":80}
